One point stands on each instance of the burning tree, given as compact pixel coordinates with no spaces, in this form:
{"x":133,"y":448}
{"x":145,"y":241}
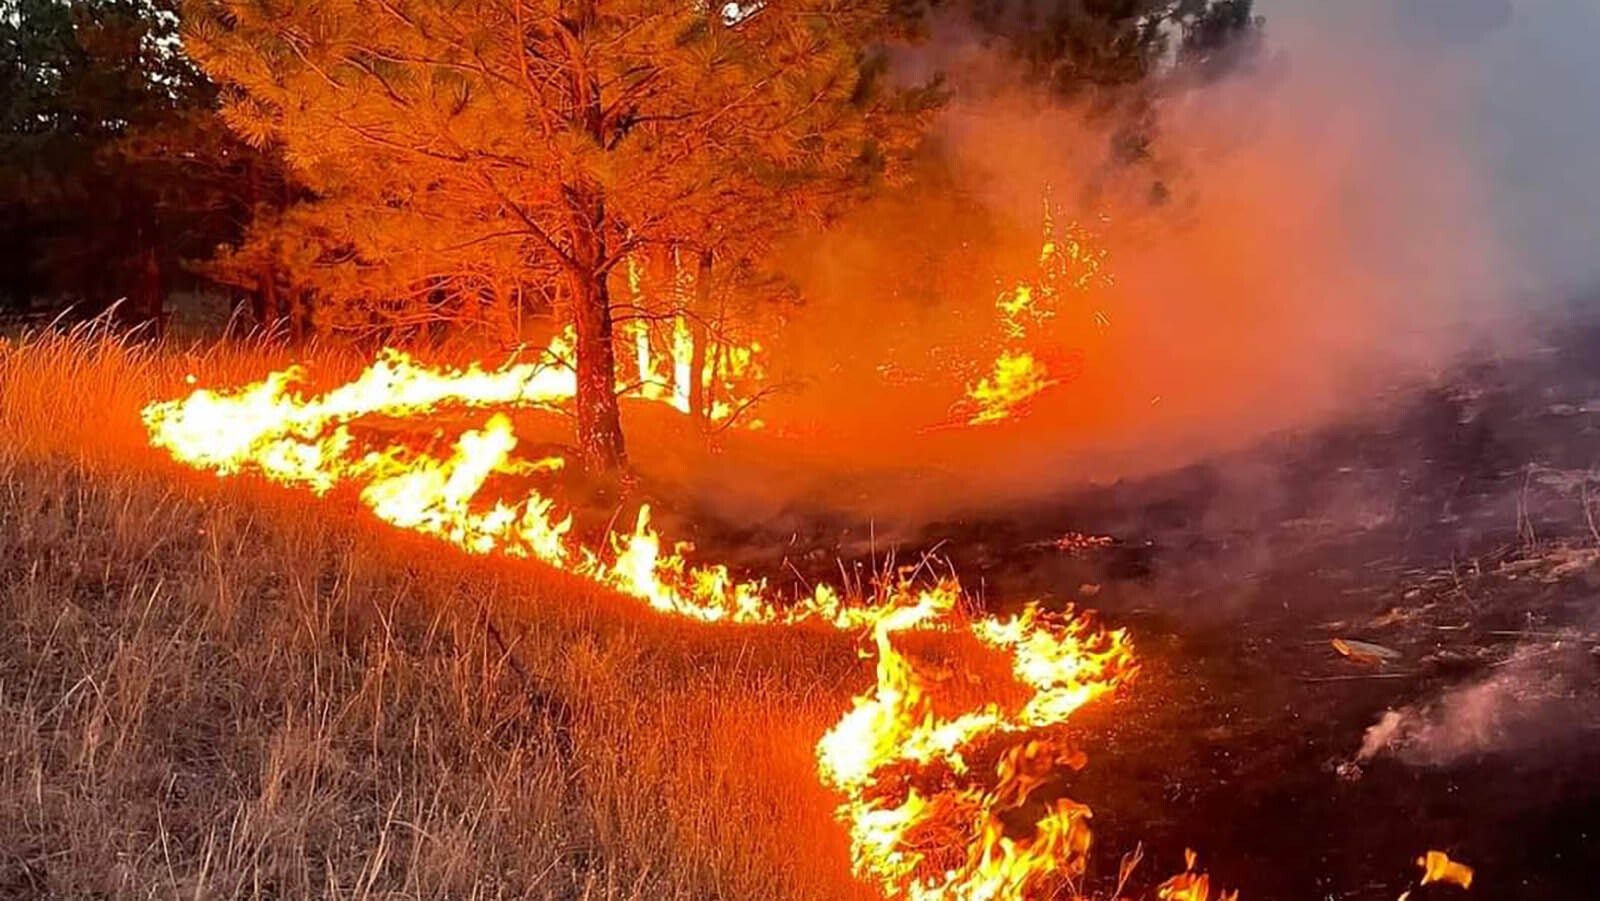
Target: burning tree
{"x":571,"y":133}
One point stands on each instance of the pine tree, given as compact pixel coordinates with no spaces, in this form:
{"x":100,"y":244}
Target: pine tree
{"x":573,"y":133}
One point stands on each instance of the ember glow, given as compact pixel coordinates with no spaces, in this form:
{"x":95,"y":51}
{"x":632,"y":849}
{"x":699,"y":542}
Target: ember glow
{"x":941,"y":799}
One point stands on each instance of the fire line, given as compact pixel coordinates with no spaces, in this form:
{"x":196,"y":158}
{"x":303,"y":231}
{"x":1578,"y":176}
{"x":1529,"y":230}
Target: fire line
{"x":931,"y":797}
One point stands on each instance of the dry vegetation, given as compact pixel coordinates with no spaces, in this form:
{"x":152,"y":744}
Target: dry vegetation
{"x":214,"y":688}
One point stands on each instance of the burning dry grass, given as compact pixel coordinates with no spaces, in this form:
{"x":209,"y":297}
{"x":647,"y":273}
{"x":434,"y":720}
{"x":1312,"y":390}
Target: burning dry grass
{"x":208,"y":689}
{"x":225,"y":691}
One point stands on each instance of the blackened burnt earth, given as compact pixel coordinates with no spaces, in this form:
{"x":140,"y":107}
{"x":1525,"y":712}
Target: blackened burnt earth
{"x":1462,"y":537}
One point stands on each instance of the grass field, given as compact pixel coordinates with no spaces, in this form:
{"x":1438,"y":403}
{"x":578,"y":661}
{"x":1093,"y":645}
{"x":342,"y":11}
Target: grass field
{"x":217,"y":688}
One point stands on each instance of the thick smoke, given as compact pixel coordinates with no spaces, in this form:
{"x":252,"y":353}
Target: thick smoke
{"x":1309,"y":240}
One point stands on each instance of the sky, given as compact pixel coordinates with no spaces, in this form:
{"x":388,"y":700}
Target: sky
{"x":1521,"y":82}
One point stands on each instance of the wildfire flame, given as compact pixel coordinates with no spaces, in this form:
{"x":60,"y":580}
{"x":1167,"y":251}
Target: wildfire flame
{"x":940,"y":802}
{"x":1018,"y":375}
{"x":731,"y":375}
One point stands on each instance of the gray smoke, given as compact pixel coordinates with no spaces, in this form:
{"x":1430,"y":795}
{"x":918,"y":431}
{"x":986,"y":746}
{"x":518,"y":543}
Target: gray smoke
{"x":1541,"y":694}
{"x":1526,"y":97}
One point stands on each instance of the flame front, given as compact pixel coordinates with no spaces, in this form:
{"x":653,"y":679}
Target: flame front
{"x":941,"y":800}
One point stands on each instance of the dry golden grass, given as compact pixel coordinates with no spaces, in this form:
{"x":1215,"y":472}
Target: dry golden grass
{"x":218,"y":688}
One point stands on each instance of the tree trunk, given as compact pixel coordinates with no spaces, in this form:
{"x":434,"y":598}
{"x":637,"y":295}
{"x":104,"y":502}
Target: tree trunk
{"x":152,"y":298}
{"x":503,"y":311}
{"x":269,"y":311}
{"x":237,"y":301}
{"x":699,"y":406}
{"x":600,"y":446}
{"x":299,"y":315}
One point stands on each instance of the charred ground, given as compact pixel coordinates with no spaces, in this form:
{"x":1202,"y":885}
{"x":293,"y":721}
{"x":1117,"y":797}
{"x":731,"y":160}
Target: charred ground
{"x":1461,"y":533}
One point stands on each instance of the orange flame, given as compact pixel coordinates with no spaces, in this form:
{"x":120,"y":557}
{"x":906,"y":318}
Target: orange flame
{"x":731,"y":375}
{"x":1018,"y":375}
{"x":939,"y":802}
{"x":1438,"y":867}
{"x":1190,"y":885}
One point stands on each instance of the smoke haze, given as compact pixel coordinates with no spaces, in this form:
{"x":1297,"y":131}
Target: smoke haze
{"x":1312,"y":237}
{"x":1538,"y":696}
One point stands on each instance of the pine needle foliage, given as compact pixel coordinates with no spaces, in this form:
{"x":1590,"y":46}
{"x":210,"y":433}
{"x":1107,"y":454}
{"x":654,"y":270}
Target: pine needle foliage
{"x":466,"y":144}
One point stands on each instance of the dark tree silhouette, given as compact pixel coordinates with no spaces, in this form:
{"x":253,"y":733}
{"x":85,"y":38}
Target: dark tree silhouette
{"x":115,"y":171}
